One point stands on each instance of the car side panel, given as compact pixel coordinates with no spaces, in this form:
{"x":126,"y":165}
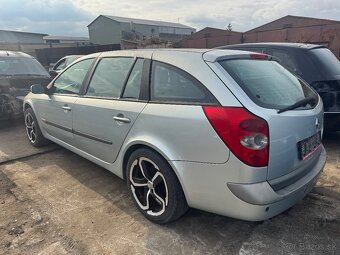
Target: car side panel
{"x":182,"y":132}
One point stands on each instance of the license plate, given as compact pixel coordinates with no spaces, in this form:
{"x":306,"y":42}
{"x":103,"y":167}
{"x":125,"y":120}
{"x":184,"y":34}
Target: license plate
{"x":308,"y":146}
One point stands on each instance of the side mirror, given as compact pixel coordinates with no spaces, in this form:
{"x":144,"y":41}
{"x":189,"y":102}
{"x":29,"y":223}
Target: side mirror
{"x":38,"y":89}
{"x":53,"y":73}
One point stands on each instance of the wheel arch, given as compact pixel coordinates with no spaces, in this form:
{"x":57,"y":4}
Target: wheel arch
{"x":138,"y":145}
{"x":142,"y":144}
{"x":27,"y":105}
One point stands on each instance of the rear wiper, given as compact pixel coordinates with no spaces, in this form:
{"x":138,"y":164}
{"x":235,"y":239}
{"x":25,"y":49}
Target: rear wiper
{"x":302,"y":102}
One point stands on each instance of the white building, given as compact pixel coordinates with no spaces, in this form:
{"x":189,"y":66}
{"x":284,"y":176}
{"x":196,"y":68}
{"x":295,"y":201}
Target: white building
{"x":112,"y":29}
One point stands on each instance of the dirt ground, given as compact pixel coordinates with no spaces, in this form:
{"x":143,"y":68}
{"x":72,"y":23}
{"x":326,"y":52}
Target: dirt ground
{"x":55,"y":202}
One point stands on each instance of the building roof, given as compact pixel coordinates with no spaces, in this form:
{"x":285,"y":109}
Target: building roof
{"x":326,"y":21}
{"x":143,"y":21}
{"x":21,"y":32}
{"x":211,"y":32}
{"x":65,"y":38}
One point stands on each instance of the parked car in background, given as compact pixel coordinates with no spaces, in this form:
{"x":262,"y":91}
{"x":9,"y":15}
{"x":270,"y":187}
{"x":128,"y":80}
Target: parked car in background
{"x":18,"y":71}
{"x":315,"y":64}
{"x":62,"y":64}
{"x":229,"y":132}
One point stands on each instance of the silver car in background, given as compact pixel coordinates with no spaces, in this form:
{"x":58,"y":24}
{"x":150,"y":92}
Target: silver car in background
{"x":229,"y":132}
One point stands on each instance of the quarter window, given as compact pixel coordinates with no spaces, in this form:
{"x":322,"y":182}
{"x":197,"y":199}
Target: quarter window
{"x":109,"y":77}
{"x":133,"y":85}
{"x":70,"y":81}
{"x":169,"y":83}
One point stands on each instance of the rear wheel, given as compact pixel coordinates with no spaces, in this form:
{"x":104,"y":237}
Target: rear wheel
{"x":154,"y":187}
{"x":33,"y":131}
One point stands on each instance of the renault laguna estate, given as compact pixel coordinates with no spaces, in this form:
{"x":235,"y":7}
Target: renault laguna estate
{"x":225,"y":131}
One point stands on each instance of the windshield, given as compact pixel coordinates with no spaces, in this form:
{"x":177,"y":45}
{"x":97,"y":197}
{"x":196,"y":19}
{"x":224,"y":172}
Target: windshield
{"x":21,"y":66}
{"x":269,"y":84}
{"x":326,"y":60}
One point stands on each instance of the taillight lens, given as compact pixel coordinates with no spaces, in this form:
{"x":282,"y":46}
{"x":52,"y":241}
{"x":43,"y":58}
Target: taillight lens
{"x":245,"y":134}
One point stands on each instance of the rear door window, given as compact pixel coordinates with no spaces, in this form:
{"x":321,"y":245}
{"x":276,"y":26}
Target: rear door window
{"x":109,"y":77}
{"x":268,"y":84}
{"x":169,"y":83}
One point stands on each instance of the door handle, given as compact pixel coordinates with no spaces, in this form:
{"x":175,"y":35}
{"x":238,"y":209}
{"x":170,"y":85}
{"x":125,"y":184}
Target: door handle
{"x":121,"y":118}
{"x":66,"y":107}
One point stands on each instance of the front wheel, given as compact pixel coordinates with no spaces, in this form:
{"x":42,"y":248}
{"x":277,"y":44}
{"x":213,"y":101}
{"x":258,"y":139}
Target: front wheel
{"x":33,"y":131}
{"x":154,"y":186}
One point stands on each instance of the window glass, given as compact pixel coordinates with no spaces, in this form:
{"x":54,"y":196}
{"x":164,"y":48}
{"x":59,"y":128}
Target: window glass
{"x":70,"y":81}
{"x":109,"y":77}
{"x":60,"y":65}
{"x":267,"y":83}
{"x":326,"y":61}
{"x":285,"y":60}
{"x":169,"y":83}
{"x":133,"y":85}
{"x":21,"y":66}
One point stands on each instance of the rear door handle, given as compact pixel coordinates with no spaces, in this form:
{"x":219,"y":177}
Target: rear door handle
{"x":121,"y":118}
{"x":66,"y":107}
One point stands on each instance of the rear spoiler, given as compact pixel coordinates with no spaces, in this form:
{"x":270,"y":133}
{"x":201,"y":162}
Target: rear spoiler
{"x":212,"y":56}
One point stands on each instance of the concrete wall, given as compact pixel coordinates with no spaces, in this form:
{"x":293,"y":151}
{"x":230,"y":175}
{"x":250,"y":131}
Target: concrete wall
{"x":30,"y":48}
{"x":300,"y":30}
{"x":105,"y":31}
{"x":287,"y":29}
{"x":210,"y":38}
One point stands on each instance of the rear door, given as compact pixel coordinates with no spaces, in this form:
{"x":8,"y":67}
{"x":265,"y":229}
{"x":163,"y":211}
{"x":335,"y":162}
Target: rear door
{"x":106,"y":112}
{"x":264,"y":87}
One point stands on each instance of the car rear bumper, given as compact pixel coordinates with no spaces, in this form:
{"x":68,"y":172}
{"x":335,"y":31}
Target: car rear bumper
{"x":207,"y":187}
{"x":263,"y":194}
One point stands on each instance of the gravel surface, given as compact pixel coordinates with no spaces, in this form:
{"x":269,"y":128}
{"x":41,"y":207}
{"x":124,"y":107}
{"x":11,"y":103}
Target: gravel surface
{"x":55,"y":202}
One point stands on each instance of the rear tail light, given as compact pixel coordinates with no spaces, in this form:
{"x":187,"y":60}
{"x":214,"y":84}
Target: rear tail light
{"x":245,"y":134}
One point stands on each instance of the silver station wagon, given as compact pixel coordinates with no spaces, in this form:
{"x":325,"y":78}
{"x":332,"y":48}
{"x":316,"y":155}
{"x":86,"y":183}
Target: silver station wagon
{"x":225,"y":131}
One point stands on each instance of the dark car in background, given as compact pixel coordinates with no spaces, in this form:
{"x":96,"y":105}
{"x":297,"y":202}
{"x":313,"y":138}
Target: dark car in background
{"x":62,"y":64}
{"x":18,"y":71}
{"x":313,"y":63}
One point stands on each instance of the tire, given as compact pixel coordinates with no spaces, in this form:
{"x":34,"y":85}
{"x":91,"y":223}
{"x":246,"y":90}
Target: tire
{"x":156,"y":181}
{"x":33,"y":131}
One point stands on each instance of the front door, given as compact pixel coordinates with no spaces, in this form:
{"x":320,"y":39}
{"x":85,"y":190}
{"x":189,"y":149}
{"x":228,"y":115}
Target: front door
{"x":56,"y":110}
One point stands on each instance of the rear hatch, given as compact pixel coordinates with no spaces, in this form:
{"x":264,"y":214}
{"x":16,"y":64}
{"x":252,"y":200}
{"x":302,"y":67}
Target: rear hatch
{"x":267,"y":90}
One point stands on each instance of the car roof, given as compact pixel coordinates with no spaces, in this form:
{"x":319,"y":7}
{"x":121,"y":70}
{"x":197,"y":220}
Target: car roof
{"x":14,"y":54}
{"x":210,"y":55}
{"x":306,"y":46}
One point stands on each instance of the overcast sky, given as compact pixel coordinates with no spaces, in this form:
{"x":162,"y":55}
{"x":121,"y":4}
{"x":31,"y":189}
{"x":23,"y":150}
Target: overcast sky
{"x":67,"y":17}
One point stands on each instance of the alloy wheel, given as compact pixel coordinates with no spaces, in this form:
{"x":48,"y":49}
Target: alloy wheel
{"x":30,"y":128}
{"x":148,"y":186}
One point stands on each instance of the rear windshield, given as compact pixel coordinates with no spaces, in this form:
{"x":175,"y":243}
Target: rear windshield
{"x":21,"y":66}
{"x":325,"y":59}
{"x":269,"y":84}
